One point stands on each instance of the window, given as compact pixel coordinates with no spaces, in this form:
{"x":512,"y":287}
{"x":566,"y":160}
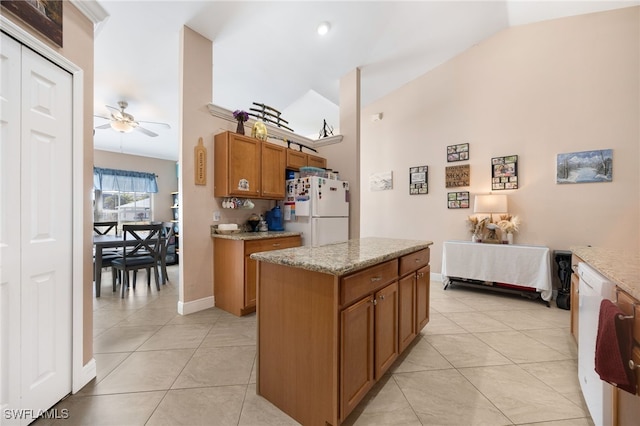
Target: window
{"x":125,"y":196}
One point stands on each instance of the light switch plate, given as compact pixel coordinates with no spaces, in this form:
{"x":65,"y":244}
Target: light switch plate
{"x":216,"y":216}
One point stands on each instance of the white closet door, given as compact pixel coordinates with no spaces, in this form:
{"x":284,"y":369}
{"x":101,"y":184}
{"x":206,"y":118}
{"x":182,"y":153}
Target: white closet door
{"x":46,"y":240}
{"x":10,"y":54}
{"x":35,"y":232}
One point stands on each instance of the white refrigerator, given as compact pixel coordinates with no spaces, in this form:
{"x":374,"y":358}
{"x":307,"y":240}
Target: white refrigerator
{"x":319,"y":208}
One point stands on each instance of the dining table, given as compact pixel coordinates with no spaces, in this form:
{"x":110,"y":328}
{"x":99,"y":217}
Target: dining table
{"x":102,"y":242}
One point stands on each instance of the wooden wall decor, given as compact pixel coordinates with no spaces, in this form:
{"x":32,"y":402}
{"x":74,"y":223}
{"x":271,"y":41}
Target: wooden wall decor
{"x":200,"y":154}
{"x":45,"y":16}
{"x":456,"y":176}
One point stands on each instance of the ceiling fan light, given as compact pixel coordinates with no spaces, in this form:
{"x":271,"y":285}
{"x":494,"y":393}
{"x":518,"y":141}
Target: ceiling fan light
{"x":121,"y":126}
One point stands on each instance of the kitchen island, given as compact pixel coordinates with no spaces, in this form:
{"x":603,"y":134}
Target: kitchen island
{"x":332,"y":319}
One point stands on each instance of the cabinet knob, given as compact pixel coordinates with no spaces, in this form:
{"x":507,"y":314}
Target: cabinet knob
{"x":420,"y":274}
{"x":633,"y":365}
{"x":374,"y":279}
{"x":382,"y":297}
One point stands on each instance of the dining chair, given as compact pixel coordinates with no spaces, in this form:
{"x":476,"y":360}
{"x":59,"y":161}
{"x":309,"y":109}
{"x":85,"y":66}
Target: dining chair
{"x":141,"y":248}
{"x":108,"y":255}
{"x":104,"y":228}
{"x":168,"y":241}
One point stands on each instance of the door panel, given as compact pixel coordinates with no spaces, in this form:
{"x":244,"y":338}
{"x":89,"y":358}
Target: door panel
{"x":329,"y":230}
{"x":386,"y":328}
{"x":10,"y":52}
{"x":46,"y":239}
{"x":423,"y":284}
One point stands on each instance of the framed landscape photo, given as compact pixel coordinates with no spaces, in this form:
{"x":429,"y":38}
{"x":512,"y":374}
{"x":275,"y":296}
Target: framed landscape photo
{"x":45,"y":16}
{"x":585,"y":166}
{"x":504,"y":172}
{"x":418,"y":180}
{"x":458,"y":200}
{"x":459,"y":152}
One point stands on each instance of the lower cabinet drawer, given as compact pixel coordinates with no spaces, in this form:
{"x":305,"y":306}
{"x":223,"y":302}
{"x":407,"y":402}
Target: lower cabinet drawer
{"x":356,"y":285}
{"x":270,"y":244}
{"x":414,"y":261}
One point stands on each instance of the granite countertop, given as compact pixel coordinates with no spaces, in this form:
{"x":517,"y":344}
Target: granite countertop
{"x":620,"y":266}
{"x":342,"y":258}
{"x":254,"y":235}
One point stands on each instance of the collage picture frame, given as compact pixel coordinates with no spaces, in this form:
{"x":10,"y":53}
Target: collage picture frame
{"x":418,"y":180}
{"x":504,"y":172}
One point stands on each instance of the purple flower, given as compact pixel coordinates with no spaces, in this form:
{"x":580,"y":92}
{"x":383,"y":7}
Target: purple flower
{"x":240,"y":115}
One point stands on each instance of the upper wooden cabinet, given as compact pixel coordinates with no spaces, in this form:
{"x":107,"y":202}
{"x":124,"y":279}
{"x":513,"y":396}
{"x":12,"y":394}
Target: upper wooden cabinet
{"x":297,"y":159}
{"x":247,"y":167}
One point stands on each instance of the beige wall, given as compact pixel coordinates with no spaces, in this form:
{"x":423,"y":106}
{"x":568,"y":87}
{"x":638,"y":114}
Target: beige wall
{"x":77,"y":47}
{"x":535,"y":91}
{"x":165,"y":170}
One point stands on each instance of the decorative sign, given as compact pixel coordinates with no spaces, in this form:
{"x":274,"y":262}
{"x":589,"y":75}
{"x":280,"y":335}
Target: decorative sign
{"x":44,"y":16}
{"x":585,"y":166}
{"x":458,"y":200}
{"x":504,"y":172}
{"x":456,"y":176}
{"x":200,"y":154}
{"x":418,"y":180}
{"x":458,"y":152}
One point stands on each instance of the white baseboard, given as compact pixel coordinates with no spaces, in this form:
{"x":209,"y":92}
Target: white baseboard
{"x":434,"y":276}
{"x":87,"y":374}
{"x":186,"y":308}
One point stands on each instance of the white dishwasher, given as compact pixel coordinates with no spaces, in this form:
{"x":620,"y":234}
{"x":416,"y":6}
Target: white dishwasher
{"x":597,"y":393}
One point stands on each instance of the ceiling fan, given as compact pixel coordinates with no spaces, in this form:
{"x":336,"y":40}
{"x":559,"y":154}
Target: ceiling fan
{"x":123,"y":122}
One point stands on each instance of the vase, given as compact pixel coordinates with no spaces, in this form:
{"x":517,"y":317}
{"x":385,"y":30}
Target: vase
{"x":510,"y":238}
{"x":240,"y":129}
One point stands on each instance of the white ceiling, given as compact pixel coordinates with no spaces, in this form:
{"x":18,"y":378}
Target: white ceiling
{"x":269,"y":52}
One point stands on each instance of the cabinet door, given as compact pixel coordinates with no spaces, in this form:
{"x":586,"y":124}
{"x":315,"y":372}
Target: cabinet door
{"x":385,"y":328}
{"x":356,"y":354}
{"x":244,"y":166}
{"x":423,"y":281}
{"x":296,"y":159}
{"x":573,"y":301}
{"x":406,"y":311}
{"x":315,"y":161}
{"x":273,"y":171}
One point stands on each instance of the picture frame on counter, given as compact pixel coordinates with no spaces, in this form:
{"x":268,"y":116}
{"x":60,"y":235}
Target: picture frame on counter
{"x":504,"y":172}
{"x":418,"y":180}
{"x":459,"y":152}
{"x":458,"y":200}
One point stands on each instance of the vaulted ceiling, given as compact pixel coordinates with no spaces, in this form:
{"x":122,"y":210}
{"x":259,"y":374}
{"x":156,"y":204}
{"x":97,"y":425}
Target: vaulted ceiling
{"x":270,"y":52}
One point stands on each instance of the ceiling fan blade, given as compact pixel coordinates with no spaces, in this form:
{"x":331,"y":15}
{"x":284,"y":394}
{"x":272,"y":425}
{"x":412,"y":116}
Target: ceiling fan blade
{"x":116,"y":113}
{"x":146,"y":132}
{"x":103,"y":126}
{"x":103,"y":117}
{"x":165,"y":125}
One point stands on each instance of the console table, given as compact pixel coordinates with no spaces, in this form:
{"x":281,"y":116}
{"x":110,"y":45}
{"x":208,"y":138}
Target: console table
{"x":518,"y":266}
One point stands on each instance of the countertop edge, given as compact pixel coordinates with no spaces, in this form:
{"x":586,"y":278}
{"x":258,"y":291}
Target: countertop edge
{"x":243,"y":236}
{"x":620,"y":266}
{"x":280,"y":257}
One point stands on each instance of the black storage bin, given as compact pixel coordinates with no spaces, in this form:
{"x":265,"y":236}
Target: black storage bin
{"x":563,"y":264}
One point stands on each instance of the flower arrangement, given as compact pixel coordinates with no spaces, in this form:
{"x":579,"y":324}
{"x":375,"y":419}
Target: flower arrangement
{"x":509,"y":223}
{"x":476,"y":225}
{"x":240,"y":115}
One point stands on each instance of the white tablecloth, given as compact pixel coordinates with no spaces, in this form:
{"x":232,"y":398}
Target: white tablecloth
{"x":526,"y":266}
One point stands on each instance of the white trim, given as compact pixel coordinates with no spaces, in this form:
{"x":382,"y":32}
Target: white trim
{"x":94,"y":12}
{"x":434,"y":276}
{"x":277,"y":132}
{"x":186,"y":308}
{"x":80,"y":373}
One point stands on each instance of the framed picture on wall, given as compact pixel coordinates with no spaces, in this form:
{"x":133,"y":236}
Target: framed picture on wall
{"x":45,"y":16}
{"x":504,"y":172}
{"x":458,"y":200}
{"x":585,"y":166}
{"x":418,"y":180}
{"x":459,"y":152}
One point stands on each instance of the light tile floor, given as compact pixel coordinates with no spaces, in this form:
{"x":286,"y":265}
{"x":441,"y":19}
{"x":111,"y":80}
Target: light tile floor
{"x":485,"y":358}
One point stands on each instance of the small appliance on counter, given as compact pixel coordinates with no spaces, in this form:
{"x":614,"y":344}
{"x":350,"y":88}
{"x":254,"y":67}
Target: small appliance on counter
{"x":253,"y":222}
{"x":274,"y":219}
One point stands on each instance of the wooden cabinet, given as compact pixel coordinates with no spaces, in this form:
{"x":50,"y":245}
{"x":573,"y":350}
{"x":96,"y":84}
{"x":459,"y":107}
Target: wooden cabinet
{"x":626,"y":407}
{"x":297,"y":159}
{"x":247,"y":167}
{"x":273,"y":171}
{"x":369,"y":333}
{"x":234,"y":283}
{"x":324,"y":340}
{"x":413,"y":289}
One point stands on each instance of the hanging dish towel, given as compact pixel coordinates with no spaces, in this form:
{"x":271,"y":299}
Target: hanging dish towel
{"x":613,"y":347}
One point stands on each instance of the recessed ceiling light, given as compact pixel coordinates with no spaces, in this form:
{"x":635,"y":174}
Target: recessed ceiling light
{"x":324,"y":28}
